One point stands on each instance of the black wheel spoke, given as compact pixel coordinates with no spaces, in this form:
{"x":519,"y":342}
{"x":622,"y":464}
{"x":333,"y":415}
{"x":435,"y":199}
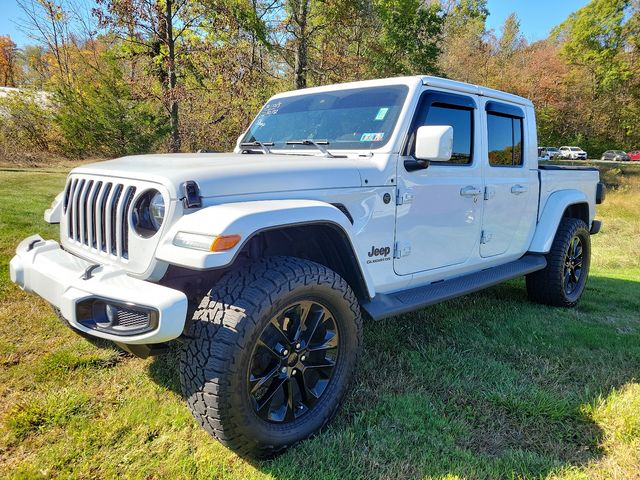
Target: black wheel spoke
{"x":307,"y":394}
{"x":290,"y":400}
{"x":265,"y":401}
{"x":567,"y":279}
{"x":330,"y":341}
{"x":272,"y":350}
{"x":304,"y":310}
{"x":257,"y":382}
{"x":315,"y":318}
{"x":570,"y":252}
{"x":325,"y":363}
{"x":577,"y":252}
{"x":275,"y":324}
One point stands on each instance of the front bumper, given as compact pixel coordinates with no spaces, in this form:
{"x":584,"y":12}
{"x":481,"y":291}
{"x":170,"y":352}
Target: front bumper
{"x":71,"y":283}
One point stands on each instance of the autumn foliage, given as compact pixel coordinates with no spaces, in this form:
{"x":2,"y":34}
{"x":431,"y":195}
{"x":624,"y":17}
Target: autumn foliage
{"x":128,"y":76}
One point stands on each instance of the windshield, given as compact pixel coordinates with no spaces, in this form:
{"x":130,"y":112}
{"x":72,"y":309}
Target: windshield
{"x":552,"y":149}
{"x":575,"y":149}
{"x":360,"y":118}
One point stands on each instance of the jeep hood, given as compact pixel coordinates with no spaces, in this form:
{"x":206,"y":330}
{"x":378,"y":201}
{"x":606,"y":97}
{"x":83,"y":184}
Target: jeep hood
{"x":220,"y":174}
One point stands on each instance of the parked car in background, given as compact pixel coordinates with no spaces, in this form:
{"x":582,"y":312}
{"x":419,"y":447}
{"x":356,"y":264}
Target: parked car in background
{"x":548,"y":153}
{"x":615,"y":155}
{"x":572,"y":153}
{"x":634,"y":155}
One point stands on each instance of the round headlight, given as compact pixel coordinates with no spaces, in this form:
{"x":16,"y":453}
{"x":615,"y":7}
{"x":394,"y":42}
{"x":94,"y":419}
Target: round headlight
{"x":148,"y":213}
{"x":157,"y":210}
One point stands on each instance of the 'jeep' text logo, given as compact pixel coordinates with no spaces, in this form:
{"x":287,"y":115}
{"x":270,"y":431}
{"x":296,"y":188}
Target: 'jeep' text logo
{"x":382,"y":252}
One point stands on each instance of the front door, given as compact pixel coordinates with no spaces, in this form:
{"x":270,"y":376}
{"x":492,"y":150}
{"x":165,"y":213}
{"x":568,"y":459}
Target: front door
{"x":440,"y":207}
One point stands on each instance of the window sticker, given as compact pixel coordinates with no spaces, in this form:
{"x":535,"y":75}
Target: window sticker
{"x":272,"y":108}
{"x":382,"y":113}
{"x":372,"y":137}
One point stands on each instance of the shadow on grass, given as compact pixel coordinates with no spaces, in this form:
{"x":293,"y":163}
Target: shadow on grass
{"x":485,"y":386}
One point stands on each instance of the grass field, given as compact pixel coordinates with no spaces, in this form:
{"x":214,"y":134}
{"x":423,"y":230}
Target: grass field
{"x":486,"y":386}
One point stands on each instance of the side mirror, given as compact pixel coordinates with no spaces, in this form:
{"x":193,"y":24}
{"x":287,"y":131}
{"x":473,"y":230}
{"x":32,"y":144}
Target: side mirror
{"x":238,"y":149}
{"x":434,"y":142}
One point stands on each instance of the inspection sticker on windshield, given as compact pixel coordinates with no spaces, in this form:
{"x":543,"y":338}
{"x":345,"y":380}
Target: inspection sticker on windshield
{"x":382,"y":113}
{"x":372,"y":137}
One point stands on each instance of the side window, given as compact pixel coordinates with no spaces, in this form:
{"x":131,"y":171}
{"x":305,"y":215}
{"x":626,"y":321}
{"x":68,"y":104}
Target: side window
{"x":505,"y":140}
{"x":461,"y":119}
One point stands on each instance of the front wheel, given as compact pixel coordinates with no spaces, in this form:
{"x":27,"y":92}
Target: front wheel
{"x":563,"y":280}
{"x":272,"y":351}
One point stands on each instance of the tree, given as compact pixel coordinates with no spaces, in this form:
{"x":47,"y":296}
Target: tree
{"x":408,"y":39}
{"x":466,"y":53}
{"x":101,"y":116}
{"x":8,"y":62}
{"x":594,"y":37}
{"x":49,"y":24}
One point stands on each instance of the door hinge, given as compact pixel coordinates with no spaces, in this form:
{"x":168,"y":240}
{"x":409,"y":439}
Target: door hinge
{"x":485,"y":237}
{"x":489,"y":193}
{"x":401,"y":249}
{"x":403,"y":198}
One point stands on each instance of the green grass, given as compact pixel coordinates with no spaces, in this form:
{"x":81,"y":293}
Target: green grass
{"x":486,"y":386}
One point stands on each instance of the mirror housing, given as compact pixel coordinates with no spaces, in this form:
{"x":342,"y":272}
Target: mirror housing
{"x":434,"y":142}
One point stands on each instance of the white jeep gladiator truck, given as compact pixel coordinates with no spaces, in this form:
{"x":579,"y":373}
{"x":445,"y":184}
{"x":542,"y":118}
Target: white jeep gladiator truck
{"x":381,"y":196}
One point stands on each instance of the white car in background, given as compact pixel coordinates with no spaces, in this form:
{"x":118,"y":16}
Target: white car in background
{"x":572,"y":153}
{"x":548,"y":153}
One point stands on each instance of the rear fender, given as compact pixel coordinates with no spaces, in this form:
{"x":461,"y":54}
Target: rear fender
{"x":552,"y":214}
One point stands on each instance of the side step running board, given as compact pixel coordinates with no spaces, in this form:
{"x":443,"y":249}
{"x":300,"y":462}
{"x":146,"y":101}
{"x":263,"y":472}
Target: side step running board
{"x":387,"y":305}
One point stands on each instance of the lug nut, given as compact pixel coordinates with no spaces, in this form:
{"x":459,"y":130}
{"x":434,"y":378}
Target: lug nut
{"x":283,"y":369}
{"x":294,"y":372}
{"x":303,"y":358}
{"x":285,"y":352}
{"x":298,"y":346}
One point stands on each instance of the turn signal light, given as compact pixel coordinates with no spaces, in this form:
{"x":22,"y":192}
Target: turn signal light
{"x":225,"y":242}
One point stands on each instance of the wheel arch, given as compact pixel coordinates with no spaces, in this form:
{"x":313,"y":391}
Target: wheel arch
{"x":559,"y":205}
{"x":323,"y":242}
{"x":307,"y":229}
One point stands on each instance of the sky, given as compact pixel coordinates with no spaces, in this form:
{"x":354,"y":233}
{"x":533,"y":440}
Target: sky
{"x":537,"y":17}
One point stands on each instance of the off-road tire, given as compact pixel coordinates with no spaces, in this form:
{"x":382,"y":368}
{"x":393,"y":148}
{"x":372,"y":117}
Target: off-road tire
{"x":547,"y":286}
{"x":214,"y":362}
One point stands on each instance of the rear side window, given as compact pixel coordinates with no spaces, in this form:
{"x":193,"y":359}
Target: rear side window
{"x":505,"y":140}
{"x":461,"y":119}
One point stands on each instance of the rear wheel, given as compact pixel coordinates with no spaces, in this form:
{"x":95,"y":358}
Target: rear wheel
{"x":271,"y":354}
{"x":563,"y":280}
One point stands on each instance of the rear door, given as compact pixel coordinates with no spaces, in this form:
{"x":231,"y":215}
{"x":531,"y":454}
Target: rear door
{"x":511,"y":188}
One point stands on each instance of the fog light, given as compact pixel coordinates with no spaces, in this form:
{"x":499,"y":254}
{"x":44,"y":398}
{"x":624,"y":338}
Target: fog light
{"x":116,"y":318}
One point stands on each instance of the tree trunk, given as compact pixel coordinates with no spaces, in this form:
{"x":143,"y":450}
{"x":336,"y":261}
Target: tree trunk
{"x":174,"y":141}
{"x":302,"y":44}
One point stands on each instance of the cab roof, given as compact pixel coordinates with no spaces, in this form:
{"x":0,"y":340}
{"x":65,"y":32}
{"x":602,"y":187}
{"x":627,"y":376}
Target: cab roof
{"x":415,"y":81}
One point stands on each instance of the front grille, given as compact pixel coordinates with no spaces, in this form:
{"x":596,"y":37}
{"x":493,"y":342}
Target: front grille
{"x":97,"y":213}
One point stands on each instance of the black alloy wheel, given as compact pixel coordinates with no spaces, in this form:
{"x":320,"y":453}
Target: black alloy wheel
{"x":293,"y":362}
{"x":573,"y":265}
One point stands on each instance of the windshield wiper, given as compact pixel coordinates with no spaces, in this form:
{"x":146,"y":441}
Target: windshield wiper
{"x":264,"y":146}
{"x":319,"y":144}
